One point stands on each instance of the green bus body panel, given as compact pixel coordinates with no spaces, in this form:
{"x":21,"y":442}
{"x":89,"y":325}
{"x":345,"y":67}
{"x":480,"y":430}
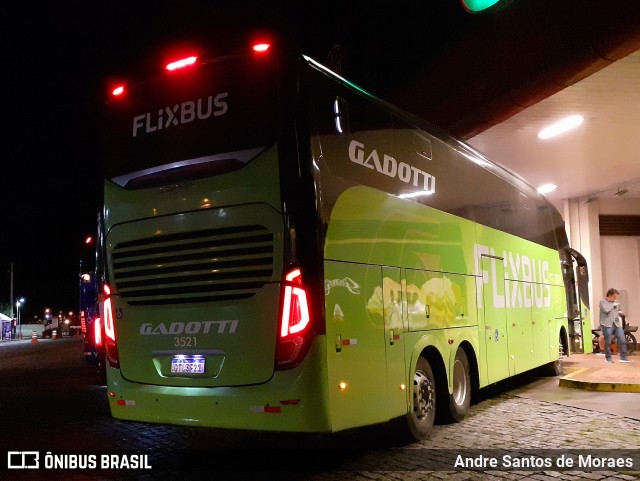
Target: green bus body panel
{"x":461,"y":282}
{"x":493,"y":324}
{"x":239,"y":388}
{"x":291,"y":401}
{"x":523,"y":301}
{"x":370,"y":227}
{"x":393,"y":311}
{"x":257,"y":182}
{"x":221,"y":331}
{"x":159,"y":265}
{"x":365,"y":361}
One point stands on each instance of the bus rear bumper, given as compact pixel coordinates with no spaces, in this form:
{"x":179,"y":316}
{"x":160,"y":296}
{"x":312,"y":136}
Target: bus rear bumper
{"x":288,"y":402}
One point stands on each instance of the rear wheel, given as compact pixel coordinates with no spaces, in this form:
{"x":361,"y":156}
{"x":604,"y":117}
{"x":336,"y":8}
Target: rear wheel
{"x":460,"y":398}
{"x":556,"y":367}
{"x":420,"y":419}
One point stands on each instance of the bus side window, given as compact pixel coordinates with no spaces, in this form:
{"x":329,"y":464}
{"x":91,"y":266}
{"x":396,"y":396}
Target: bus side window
{"x":341,"y":115}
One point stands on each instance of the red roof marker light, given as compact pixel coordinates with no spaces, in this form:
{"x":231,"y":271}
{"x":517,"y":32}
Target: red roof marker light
{"x":119,"y":90}
{"x":260,"y":47}
{"x":184,"y":62}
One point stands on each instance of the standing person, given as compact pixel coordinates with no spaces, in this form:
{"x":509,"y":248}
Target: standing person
{"x":611,"y":324}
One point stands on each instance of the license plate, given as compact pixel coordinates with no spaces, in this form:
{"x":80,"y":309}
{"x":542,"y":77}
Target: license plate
{"x":187,"y":364}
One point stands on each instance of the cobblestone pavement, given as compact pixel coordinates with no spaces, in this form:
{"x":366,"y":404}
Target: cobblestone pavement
{"x":56,"y":407}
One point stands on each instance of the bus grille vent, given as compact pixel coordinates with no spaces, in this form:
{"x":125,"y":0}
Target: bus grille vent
{"x":201,"y":266}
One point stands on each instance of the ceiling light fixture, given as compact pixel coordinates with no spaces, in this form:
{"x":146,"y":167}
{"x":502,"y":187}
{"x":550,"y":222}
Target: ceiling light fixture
{"x":591,"y":199}
{"x":560,"y":127}
{"x":620,"y":192}
{"x":546,"y":188}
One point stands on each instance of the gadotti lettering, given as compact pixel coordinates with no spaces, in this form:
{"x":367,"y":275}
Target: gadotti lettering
{"x":195,"y":327}
{"x":178,"y":114}
{"x":391,"y":167}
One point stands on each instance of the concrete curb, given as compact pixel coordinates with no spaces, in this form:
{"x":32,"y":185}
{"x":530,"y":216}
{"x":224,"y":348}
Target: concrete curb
{"x":600,"y":386}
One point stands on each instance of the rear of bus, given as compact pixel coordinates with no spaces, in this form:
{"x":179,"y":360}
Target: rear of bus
{"x":211,"y":300}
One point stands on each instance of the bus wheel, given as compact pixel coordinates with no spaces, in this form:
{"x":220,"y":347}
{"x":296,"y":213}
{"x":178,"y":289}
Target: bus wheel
{"x":420,"y":419}
{"x":632,"y":343}
{"x":460,"y":398}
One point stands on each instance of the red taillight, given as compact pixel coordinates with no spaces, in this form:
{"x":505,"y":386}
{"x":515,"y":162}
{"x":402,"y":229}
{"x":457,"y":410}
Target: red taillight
{"x":183,"y":62}
{"x":295,"y":318}
{"x":111,"y":348}
{"x":295,"y":310}
{"x":97,"y":332}
{"x":119,"y":90}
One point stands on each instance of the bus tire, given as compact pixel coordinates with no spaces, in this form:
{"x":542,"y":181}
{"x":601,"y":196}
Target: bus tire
{"x":632,"y":343}
{"x":460,"y":398}
{"x":554,"y":368}
{"x":423,"y":406}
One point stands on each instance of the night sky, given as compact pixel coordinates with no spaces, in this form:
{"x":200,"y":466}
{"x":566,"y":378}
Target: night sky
{"x":57,"y":57}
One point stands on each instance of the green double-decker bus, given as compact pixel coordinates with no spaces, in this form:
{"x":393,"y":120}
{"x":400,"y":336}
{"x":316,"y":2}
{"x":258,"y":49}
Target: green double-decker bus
{"x":284,"y":251}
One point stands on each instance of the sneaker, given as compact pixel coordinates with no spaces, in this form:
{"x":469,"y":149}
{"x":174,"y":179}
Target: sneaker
{"x":609,"y":361}
{"x":625,"y":360}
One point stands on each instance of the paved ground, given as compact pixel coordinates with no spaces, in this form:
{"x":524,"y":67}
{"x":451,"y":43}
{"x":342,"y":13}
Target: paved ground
{"x":50,"y":401}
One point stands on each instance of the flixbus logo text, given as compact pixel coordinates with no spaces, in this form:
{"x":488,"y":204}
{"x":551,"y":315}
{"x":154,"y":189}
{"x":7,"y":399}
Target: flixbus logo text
{"x":525,"y":281}
{"x":178,"y":114}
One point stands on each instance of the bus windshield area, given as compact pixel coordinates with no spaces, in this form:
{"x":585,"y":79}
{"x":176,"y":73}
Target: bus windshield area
{"x":208,"y":119}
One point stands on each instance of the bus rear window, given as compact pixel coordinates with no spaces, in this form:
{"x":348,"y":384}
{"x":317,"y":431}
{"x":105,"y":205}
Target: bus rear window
{"x":203,"y":121}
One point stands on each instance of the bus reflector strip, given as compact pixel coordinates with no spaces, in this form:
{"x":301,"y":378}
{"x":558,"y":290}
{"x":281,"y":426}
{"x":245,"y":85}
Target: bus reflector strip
{"x":349,"y":342}
{"x":265,"y":409}
{"x":126,"y":402}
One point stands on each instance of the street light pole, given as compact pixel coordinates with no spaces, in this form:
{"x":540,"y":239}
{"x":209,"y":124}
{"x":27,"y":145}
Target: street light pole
{"x":19,"y":329}
{"x":11,"y":293}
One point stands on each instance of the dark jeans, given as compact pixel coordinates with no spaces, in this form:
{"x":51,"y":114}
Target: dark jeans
{"x":607,"y":332}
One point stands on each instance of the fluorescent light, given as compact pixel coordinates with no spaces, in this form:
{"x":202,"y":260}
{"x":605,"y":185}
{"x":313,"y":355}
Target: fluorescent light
{"x":546,"y":188}
{"x":560,"y":127}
